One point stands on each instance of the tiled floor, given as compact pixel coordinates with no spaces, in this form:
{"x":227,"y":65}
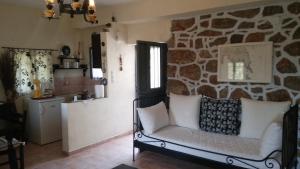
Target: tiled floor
{"x":104,"y":156}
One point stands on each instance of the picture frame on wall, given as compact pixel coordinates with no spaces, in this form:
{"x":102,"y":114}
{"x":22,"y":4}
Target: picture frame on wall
{"x":245,"y":62}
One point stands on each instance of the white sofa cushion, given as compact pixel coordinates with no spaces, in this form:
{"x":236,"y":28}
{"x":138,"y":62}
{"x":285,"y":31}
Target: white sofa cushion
{"x":185,"y":110}
{"x":219,"y":143}
{"x":153,"y":117}
{"x":225,"y":144}
{"x":271,"y":140}
{"x":258,"y":115}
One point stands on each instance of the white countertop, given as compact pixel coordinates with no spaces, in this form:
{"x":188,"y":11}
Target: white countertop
{"x":49,"y":99}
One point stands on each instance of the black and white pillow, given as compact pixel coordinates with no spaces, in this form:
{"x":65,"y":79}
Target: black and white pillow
{"x":220,"y":115}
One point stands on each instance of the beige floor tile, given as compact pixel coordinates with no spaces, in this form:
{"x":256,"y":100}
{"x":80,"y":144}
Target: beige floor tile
{"x":104,"y":156}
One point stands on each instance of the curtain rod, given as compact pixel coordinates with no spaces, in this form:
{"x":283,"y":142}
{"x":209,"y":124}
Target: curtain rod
{"x":29,"y":49}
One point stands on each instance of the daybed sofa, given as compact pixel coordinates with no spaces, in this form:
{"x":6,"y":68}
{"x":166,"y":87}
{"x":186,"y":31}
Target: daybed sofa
{"x":232,"y":133}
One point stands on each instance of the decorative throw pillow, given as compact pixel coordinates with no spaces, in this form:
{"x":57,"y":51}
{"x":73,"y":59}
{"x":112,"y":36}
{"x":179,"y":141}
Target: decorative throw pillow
{"x":184,"y":110}
{"x":271,"y":139}
{"x":258,"y":115}
{"x":220,"y":115}
{"x":153,"y":117}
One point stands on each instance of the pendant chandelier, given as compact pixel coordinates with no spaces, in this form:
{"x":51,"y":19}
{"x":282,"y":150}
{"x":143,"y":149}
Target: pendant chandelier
{"x":87,"y":8}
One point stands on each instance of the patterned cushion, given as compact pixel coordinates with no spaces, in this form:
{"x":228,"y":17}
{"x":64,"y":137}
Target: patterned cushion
{"x":220,"y":115}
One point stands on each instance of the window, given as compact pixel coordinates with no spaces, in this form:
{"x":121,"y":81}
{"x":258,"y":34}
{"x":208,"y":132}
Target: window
{"x":155,"y":67}
{"x":239,"y":71}
{"x":236,"y":70}
{"x":97,"y":73}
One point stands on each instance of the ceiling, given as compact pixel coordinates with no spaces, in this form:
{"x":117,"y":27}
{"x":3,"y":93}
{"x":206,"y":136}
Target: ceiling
{"x":41,"y":3}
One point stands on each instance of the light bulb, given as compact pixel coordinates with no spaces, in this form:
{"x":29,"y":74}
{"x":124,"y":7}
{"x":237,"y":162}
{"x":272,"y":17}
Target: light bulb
{"x":92,"y":3}
{"x":76,"y":5}
{"x":50,"y":1}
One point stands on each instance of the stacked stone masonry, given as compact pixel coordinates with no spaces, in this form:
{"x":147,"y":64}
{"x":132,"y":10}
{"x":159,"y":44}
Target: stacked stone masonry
{"x":193,"y":51}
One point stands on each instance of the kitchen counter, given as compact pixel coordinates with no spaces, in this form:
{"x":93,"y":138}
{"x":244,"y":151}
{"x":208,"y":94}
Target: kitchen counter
{"x":87,"y":100}
{"x":89,"y":122}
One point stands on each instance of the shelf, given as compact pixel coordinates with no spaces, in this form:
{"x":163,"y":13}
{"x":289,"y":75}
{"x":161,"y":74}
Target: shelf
{"x":83,"y":68}
{"x":61,"y":58}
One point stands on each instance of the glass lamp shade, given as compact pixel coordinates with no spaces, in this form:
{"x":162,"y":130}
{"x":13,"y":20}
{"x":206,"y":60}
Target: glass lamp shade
{"x":92,"y":4}
{"x":91,"y":9}
{"x":92,"y":18}
{"x":49,"y":13}
{"x":76,"y":5}
{"x":50,"y":1}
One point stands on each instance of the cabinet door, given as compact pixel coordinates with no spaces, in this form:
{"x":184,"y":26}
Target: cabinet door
{"x":50,"y":122}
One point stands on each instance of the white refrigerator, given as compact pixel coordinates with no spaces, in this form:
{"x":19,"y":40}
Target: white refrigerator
{"x":44,"y":120}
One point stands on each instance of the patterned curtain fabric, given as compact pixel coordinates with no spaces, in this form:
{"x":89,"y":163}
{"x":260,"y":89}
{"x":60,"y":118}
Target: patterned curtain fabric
{"x":24,"y":72}
{"x":42,"y":63}
{"x":29,"y":65}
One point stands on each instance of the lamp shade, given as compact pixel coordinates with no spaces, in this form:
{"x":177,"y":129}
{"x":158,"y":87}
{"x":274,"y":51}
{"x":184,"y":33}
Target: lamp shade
{"x":50,"y":1}
{"x":92,"y":3}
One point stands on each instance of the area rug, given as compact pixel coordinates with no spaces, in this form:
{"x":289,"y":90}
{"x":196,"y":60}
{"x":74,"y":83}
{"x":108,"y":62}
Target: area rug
{"x":123,"y":166}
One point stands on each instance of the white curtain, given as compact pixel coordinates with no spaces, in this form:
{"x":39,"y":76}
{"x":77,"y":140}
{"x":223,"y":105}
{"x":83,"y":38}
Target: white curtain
{"x":24,"y":73}
{"x":42,"y":62}
{"x":28,"y":65}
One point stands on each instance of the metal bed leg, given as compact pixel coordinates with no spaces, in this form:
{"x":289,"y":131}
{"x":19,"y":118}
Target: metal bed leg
{"x":133,"y":155}
{"x":133,"y":130}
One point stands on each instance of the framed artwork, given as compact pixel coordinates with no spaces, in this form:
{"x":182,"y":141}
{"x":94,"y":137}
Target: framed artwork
{"x":245,"y":62}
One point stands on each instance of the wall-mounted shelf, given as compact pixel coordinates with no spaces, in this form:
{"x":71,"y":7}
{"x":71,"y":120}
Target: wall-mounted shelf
{"x":62,"y":58}
{"x":82,"y":67}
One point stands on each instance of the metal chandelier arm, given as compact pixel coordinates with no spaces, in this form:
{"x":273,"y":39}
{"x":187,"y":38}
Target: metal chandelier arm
{"x":75,"y":8}
{"x":85,"y":5}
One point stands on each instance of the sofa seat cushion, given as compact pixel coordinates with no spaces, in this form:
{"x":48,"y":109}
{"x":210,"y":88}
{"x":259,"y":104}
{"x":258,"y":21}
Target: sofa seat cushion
{"x":220,"y":115}
{"x":272,"y":139}
{"x":225,"y":144}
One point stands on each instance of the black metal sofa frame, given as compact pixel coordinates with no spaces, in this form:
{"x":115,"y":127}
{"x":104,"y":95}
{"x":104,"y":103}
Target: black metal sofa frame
{"x":288,"y":152}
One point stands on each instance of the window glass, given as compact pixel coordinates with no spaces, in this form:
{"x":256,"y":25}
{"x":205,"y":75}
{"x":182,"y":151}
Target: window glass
{"x":155,"y":67}
{"x":236,"y":70}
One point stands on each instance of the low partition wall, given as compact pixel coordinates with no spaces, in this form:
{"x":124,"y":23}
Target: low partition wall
{"x":90,"y":122}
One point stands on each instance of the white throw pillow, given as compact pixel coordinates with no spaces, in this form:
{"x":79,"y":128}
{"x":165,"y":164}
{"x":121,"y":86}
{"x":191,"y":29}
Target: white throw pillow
{"x":271,"y":140}
{"x":258,"y":115}
{"x":185,"y":110}
{"x":154,"y":117}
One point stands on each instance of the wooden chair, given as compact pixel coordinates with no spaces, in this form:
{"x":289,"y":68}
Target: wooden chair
{"x":12,"y":136}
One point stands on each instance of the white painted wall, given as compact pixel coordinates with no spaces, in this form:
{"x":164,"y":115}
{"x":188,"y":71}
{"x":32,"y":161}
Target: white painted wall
{"x":26,"y":28}
{"x":154,"y":31}
{"x":90,"y":122}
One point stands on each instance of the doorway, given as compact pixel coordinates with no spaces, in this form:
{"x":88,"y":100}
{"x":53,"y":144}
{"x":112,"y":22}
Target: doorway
{"x":151,"y":72}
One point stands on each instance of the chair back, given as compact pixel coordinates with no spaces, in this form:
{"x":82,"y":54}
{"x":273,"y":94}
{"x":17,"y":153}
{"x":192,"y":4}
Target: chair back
{"x":8,"y":113}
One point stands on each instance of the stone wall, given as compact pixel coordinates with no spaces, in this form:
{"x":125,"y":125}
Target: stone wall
{"x":193,"y":51}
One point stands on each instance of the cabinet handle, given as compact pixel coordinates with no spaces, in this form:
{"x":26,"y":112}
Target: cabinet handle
{"x":53,"y":106}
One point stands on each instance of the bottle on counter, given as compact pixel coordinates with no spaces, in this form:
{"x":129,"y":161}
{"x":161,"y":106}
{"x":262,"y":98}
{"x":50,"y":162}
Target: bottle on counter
{"x":37,"y":92}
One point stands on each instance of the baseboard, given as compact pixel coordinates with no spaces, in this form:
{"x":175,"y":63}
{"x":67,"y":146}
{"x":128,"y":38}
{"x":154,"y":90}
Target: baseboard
{"x":97,"y":144}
